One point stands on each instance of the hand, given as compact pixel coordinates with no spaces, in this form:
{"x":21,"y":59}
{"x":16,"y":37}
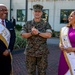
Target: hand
{"x":6,"y":53}
{"x":69,"y":49}
{"x":34,"y":31}
{"x":61,"y":47}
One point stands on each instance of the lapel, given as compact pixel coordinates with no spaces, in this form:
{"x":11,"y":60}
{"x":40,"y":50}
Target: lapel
{"x":6,"y":21}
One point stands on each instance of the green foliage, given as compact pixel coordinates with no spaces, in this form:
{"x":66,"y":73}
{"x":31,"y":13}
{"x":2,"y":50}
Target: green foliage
{"x":55,"y":33}
{"x":20,"y":42}
{"x":18,"y":27}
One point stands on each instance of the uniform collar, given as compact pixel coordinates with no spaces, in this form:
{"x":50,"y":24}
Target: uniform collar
{"x":37,"y":22}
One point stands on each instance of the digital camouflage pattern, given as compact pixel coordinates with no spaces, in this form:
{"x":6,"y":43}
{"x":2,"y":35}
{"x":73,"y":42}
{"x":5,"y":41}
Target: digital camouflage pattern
{"x":36,"y":45}
{"x":37,"y":7}
{"x":41,"y":63}
{"x":36,"y":49}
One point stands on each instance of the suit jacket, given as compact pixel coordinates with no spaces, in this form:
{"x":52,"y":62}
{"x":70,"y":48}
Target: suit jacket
{"x":10,"y":27}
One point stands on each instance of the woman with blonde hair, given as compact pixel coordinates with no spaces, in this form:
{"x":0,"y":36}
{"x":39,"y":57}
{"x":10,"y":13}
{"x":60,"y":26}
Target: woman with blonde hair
{"x":67,"y":46}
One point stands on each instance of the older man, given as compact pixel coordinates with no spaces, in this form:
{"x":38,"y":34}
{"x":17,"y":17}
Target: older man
{"x":36,"y":31}
{"x":5,"y":54}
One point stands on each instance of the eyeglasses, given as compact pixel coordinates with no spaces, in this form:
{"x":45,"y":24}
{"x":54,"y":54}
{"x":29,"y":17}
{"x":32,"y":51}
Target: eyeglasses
{"x":3,"y":10}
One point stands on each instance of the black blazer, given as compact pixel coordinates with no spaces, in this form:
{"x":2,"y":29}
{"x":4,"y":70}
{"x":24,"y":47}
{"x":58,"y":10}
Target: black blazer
{"x":2,"y":45}
{"x":10,"y":27}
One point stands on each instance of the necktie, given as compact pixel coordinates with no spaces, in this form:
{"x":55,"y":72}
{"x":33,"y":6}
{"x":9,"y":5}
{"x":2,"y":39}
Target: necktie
{"x":2,"y":22}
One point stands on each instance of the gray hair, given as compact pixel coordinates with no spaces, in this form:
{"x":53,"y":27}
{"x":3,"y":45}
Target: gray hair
{"x":2,"y":5}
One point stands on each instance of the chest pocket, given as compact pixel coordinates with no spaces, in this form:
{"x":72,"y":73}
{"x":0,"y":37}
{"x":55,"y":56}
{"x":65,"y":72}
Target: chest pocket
{"x":40,"y":26}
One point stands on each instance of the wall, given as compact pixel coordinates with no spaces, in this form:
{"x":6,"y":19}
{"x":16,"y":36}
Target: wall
{"x":54,"y":7}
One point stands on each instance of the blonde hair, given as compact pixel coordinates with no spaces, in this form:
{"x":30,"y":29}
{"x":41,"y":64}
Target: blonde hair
{"x":69,"y":25}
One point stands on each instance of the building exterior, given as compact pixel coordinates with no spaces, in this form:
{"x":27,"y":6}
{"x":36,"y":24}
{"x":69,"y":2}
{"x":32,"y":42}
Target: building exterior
{"x":56,"y":12}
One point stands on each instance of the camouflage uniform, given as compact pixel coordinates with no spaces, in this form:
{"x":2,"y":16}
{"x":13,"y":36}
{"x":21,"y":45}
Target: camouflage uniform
{"x":36,"y":49}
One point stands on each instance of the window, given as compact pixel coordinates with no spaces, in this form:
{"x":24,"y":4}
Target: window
{"x":64,"y":13}
{"x":45,"y":14}
{"x":21,"y":15}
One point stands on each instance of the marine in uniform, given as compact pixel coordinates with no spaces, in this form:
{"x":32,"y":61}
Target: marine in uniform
{"x":36,"y":31}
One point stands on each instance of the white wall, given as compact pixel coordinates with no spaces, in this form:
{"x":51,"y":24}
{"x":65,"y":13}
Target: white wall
{"x":54,"y":11}
{"x":17,"y":4}
{"x":58,"y":6}
{"x":53,"y":6}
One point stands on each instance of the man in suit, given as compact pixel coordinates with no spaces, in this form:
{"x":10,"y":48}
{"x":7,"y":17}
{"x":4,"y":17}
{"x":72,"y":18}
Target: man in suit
{"x":13,"y":21}
{"x":5,"y":46}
